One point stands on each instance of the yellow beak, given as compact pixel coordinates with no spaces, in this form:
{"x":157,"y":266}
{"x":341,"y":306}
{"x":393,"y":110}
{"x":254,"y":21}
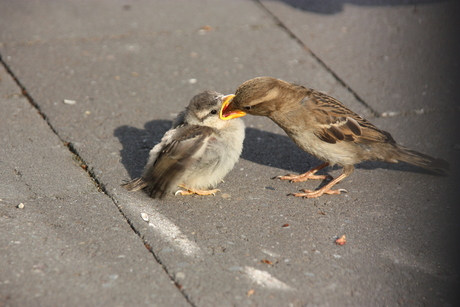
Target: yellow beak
{"x":225,"y":114}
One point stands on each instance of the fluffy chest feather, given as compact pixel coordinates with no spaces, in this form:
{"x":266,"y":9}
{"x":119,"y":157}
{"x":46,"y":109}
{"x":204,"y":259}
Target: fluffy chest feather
{"x":222,"y":152}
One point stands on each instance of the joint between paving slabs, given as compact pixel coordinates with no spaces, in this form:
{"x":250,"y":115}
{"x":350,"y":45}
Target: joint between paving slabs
{"x":69,"y":145}
{"x":103,"y":189}
{"x":321,"y":62}
{"x":25,"y":93}
{"x":100,"y":186}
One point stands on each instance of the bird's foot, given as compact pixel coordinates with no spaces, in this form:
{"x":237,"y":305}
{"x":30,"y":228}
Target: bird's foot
{"x":327,"y":188}
{"x":314,"y":194}
{"x":303,"y":177}
{"x":188,"y":191}
{"x":308,"y":175}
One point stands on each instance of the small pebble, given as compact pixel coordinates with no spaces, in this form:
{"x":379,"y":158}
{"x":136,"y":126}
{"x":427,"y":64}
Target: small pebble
{"x":145,"y":216}
{"x":69,"y":102}
{"x":21,"y":206}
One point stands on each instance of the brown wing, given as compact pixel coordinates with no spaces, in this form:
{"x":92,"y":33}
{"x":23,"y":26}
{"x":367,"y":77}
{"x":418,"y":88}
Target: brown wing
{"x":184,"y":149}
{"x":338,"y":123}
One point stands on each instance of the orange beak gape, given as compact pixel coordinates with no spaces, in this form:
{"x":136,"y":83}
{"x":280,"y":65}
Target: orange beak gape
{"x":226,"y":114}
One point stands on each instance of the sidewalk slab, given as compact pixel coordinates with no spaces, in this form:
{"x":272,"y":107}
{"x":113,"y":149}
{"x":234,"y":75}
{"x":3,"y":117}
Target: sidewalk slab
{"x":69,"y":245}
{"x":250,"y":244}
{"x":397,"y":56}
{"x":73,"y":20}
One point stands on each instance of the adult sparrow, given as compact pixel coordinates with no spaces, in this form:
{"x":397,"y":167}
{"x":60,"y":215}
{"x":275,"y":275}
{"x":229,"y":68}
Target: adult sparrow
{"x":196,"y":153}
{"x":323,"y":127}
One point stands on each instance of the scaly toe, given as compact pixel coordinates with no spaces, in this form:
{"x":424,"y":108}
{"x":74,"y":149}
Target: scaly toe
{"x":333,"y":192}
{"x":207,"y":192}
{"x":285,"y":177}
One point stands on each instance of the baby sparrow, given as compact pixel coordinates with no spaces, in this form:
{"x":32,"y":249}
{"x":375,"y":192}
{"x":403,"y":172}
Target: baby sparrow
{"x":196,"y":153}
{"x":323,"y":127}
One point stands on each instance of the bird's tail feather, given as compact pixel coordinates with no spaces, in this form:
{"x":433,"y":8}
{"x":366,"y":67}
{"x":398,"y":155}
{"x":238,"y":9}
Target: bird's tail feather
{"x":135,"y":184}
{"x":435,"y":165}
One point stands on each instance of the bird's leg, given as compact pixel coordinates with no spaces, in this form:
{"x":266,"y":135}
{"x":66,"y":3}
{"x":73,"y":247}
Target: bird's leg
{"x":347,"y":171}
{"x":308,"y":175}
{"x":189,"y":191}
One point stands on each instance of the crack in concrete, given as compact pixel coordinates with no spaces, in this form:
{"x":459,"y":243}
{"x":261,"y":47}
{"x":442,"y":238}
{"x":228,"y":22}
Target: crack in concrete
{"x":321,"y":62}
{"x":93,"y":177}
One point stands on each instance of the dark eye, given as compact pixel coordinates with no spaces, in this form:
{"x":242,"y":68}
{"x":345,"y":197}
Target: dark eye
{"x":214,"y":112}
{"x":247,"y":108}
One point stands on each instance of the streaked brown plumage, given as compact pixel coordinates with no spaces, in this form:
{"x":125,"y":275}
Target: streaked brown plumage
{"x":323,"y":127}
{"x":196,"y":153}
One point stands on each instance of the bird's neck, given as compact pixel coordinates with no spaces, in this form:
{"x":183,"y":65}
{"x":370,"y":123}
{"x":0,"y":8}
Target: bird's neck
{"x":288,"y":104}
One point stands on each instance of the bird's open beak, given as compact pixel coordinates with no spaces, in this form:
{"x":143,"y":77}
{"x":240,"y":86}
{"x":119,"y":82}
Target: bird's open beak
{"x":226,"y":111}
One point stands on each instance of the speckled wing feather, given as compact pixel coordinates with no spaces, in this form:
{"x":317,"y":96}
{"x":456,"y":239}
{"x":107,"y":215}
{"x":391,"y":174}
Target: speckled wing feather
{"x":338,"y":123}
{"x":185,"y":147}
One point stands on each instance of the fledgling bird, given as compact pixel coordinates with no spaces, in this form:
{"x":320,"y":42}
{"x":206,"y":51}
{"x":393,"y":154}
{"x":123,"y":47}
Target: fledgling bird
{"x":323,"y":127}
{"x":196,"y":153}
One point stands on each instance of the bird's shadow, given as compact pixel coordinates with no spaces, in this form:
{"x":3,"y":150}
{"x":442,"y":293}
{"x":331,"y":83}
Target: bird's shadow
{"x":137,"y":144}
{"x":261,"y":147}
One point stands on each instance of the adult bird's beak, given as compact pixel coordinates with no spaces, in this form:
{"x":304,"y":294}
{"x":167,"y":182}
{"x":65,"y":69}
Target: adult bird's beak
{"x":227,"y":112}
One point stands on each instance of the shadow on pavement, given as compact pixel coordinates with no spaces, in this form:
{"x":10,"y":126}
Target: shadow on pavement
{"x":261,"y":147}
{"x":336,"y":6}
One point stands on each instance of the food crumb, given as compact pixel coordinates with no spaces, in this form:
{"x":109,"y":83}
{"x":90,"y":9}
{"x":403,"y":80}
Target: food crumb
{"x":341,"y":241}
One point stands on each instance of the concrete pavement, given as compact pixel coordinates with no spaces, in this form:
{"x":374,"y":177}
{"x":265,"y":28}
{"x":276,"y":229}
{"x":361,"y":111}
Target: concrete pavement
{"x":127,"y":67}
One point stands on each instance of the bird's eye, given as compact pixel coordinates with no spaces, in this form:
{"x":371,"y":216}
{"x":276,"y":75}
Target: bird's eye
{"x":214,"y":112}
{"x":247,"y":108}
